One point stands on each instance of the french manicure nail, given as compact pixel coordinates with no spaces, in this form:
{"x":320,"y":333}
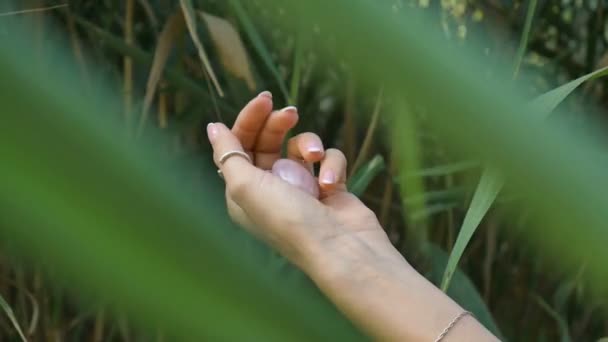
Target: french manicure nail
{"x":211,"y":132}
{"x":328,"y":177}
{"x":315,"y":150}
{"x":290,"y":109}
{"x":266,"y":93}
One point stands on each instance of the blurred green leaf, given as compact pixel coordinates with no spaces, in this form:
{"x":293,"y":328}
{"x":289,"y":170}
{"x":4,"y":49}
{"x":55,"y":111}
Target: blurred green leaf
{"x":120,"y":223}
{"x":109,"y":195}
{"x":492,"y":181}
{"x":407,"y":158}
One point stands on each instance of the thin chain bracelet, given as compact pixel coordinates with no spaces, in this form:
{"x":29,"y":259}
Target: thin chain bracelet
{"x":451,"y":325}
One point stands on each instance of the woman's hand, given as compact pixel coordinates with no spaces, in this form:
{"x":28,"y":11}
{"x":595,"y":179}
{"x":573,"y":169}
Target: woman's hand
{"x":326,"y":231}
{"x":301,"y":216}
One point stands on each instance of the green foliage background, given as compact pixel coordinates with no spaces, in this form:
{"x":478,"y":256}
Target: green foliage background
{"x":123,"y":229}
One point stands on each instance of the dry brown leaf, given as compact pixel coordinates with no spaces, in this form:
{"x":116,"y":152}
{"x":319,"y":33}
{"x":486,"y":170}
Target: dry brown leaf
{"x":230,"y":48}
{"x":174,"y":28}
{"x":191,"y":24}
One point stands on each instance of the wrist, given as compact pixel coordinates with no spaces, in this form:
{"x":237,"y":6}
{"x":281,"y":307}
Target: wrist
{"x":373,"y":285}
{"x":337,"y":260}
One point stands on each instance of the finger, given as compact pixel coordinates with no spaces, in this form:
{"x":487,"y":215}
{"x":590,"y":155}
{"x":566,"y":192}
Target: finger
{"x":223,"y":141}
{"x":250,"y":120}
{"x":305,"y":146}
{"x":332,"y":173}
{"x":267,"y":149}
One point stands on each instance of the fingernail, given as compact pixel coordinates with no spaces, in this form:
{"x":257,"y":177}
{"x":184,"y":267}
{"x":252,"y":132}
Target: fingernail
{"x":290,"y":109}
{"x":266,"y":93}
{"x":328,"y":177}
{"x":211,"y":132}
{"x":315,"y":150}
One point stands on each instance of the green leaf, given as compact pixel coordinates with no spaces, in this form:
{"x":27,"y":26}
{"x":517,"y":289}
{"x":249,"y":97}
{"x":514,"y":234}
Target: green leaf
{"x":489,"y":185}
{"x":491,"y":181}
{"x":462,"y":289}
{"x":407,"y":158}
{"x":124,"y":225}
{"x":547,"y":102}
{"x":359,"y":182}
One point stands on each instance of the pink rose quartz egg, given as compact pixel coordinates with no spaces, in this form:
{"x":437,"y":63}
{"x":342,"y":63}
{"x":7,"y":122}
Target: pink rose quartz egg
{"x":297,"y":175}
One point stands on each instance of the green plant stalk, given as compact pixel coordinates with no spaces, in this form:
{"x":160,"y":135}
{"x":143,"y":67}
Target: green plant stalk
{"x":407,"y":157}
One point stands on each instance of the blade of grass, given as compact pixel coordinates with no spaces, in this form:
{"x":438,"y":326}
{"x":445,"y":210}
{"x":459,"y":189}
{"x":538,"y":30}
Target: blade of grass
{"x":358,"y":183}
{"x":546,"y":103}
{"x":259,"y":45}
{"x":489,"y":185}
{"x":190,"y":17}
{"x":33,"y":10}
{"x":523,"y":42}
{"x":11,"y":316}
{"x":367,"y":141}
{"x":174,"y":29}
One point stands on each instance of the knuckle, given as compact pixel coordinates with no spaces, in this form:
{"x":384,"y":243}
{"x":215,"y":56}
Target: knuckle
{"x":368,"y":215}
{"x":292,"y":140}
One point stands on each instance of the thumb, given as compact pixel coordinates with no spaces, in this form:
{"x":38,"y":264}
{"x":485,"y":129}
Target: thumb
{"x":236,"y":169}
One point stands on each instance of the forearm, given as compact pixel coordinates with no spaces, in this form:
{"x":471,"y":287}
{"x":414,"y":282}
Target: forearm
{"x":379,"y":291}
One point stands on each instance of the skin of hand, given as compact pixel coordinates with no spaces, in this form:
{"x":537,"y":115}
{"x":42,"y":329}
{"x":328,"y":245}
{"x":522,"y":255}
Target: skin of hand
{"x":326,"y":231}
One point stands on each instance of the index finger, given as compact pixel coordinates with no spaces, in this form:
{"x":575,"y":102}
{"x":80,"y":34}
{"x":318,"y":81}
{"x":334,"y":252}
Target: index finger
{"x":251,"y":119}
